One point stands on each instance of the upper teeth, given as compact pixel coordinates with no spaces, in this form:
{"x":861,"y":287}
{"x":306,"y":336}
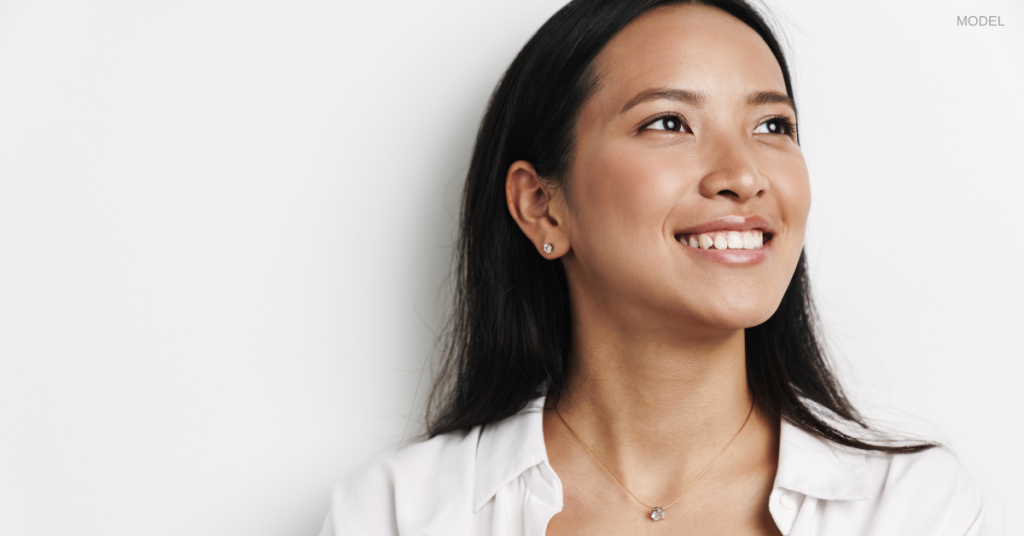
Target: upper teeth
{"x":752,"y":239}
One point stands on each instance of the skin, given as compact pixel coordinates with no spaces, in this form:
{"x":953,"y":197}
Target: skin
{"x":657,"y":381}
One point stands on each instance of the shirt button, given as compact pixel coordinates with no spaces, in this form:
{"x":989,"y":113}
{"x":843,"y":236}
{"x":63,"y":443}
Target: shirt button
{"x":788,"y":502}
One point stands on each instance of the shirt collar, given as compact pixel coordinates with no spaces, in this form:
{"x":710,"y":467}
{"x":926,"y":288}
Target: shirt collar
{"x":508,"y":448}
{"x":808,"y":464}
{"x":819,"y":468}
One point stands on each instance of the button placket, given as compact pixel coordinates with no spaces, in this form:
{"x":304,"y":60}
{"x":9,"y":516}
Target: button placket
{"x":783,"y":506}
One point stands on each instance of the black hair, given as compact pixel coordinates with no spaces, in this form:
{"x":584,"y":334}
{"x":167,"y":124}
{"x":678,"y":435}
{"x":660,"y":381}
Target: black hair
{"x":508,"y":337}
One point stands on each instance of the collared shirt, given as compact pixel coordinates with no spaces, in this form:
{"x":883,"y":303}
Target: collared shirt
{"x":495,"y":480}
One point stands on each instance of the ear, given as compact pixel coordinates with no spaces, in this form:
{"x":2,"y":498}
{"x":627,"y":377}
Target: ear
{"x":538,"y":211}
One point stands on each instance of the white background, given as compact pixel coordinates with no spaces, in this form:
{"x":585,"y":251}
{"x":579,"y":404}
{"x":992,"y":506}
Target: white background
{"x":224,"y":227}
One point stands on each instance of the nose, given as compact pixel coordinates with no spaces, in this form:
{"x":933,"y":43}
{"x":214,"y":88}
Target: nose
{"x":733,"y":173}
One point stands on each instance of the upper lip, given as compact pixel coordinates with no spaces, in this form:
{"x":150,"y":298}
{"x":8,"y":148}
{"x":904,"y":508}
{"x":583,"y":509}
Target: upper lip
{"x":732,"y":222}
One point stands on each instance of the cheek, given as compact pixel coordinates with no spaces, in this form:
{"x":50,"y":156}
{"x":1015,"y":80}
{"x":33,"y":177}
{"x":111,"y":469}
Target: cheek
{"x":634,"y":192}
{"x":624,"y":200}
{"x":792,"y":188}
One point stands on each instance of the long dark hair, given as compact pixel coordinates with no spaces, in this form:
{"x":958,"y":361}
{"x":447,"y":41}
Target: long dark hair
{"x":508,"y":338}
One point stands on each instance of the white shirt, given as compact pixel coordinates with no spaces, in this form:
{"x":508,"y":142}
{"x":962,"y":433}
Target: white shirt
{"x":495,"y":480}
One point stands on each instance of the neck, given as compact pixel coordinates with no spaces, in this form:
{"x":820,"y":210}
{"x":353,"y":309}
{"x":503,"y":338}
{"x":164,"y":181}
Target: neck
{"x":655,"y":409}
{"x":667,"y":398}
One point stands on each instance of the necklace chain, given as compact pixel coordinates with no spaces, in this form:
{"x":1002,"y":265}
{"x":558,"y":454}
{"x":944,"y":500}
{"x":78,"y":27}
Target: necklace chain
{"x":657,"y":512}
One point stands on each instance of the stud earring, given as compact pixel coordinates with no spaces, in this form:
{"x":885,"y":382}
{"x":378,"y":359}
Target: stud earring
{"x":548,"y":248}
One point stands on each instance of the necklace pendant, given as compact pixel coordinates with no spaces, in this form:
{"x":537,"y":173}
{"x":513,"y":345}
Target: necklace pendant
{"x":657,"y":513}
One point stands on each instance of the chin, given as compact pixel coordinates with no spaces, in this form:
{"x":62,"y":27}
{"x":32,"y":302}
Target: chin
{"x":740,"y":312}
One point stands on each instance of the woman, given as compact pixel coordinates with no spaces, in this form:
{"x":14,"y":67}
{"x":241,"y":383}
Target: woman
{"x":632,"y":347}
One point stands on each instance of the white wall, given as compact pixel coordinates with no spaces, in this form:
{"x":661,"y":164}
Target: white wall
{"x":224,"y":227}
{"x":912,"y":129}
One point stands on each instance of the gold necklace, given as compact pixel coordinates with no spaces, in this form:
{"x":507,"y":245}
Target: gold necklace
{"x":657,"y":512}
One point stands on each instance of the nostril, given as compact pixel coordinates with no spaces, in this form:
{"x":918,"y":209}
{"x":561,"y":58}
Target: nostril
{"x":729,"y":193}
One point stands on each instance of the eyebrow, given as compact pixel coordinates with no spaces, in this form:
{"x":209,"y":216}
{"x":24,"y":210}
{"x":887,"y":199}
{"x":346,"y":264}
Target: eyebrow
{"x":697,"y":98}
{"x":681,"y":95}
{"x":770,"y":97}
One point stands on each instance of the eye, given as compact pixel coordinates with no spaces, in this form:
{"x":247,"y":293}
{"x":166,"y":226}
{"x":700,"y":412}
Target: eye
{"x":672,"y":123}
{"x":775,"y":125}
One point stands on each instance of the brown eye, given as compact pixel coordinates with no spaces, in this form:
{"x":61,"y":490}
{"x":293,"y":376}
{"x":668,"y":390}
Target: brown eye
{"x":775,"y":125}
{"x":670,"y":123}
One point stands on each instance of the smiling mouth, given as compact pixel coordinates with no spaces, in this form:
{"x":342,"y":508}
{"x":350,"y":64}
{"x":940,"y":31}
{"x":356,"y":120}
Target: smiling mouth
{"x":752,"y":239}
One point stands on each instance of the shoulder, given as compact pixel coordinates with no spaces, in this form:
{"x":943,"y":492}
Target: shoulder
{"x":425,"y":478}
{"x":933,"y":469}
{"x":925,"y":492}
{"x":934,"y":485}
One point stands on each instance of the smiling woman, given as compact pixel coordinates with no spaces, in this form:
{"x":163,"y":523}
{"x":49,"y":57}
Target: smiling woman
{"x":633,"y":339}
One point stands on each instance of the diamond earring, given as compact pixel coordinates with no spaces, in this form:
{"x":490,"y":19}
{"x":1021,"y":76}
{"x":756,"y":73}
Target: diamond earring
{"x":548,"y":248}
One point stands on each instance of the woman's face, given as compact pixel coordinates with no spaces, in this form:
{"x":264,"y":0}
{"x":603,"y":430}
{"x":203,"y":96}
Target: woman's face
{"x":687,"y":141}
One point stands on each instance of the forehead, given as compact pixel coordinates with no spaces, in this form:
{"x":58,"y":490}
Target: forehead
{"x":687,"y":47}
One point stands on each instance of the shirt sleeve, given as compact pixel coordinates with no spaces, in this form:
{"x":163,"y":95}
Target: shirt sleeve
{"x":967,"y":515}
{"x":328,"y":528}
{"x":363,"y":504}
{"x":931,"y":492}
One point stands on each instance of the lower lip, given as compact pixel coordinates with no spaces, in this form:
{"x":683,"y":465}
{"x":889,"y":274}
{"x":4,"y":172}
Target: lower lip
{"x":732,"y":257}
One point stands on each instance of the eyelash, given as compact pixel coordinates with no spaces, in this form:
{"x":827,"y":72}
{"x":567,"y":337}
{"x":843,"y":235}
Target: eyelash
{"x":787,"y":124}
{"x":677,"y":117}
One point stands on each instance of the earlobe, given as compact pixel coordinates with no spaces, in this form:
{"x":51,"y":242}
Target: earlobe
{"x":529,"y":204}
